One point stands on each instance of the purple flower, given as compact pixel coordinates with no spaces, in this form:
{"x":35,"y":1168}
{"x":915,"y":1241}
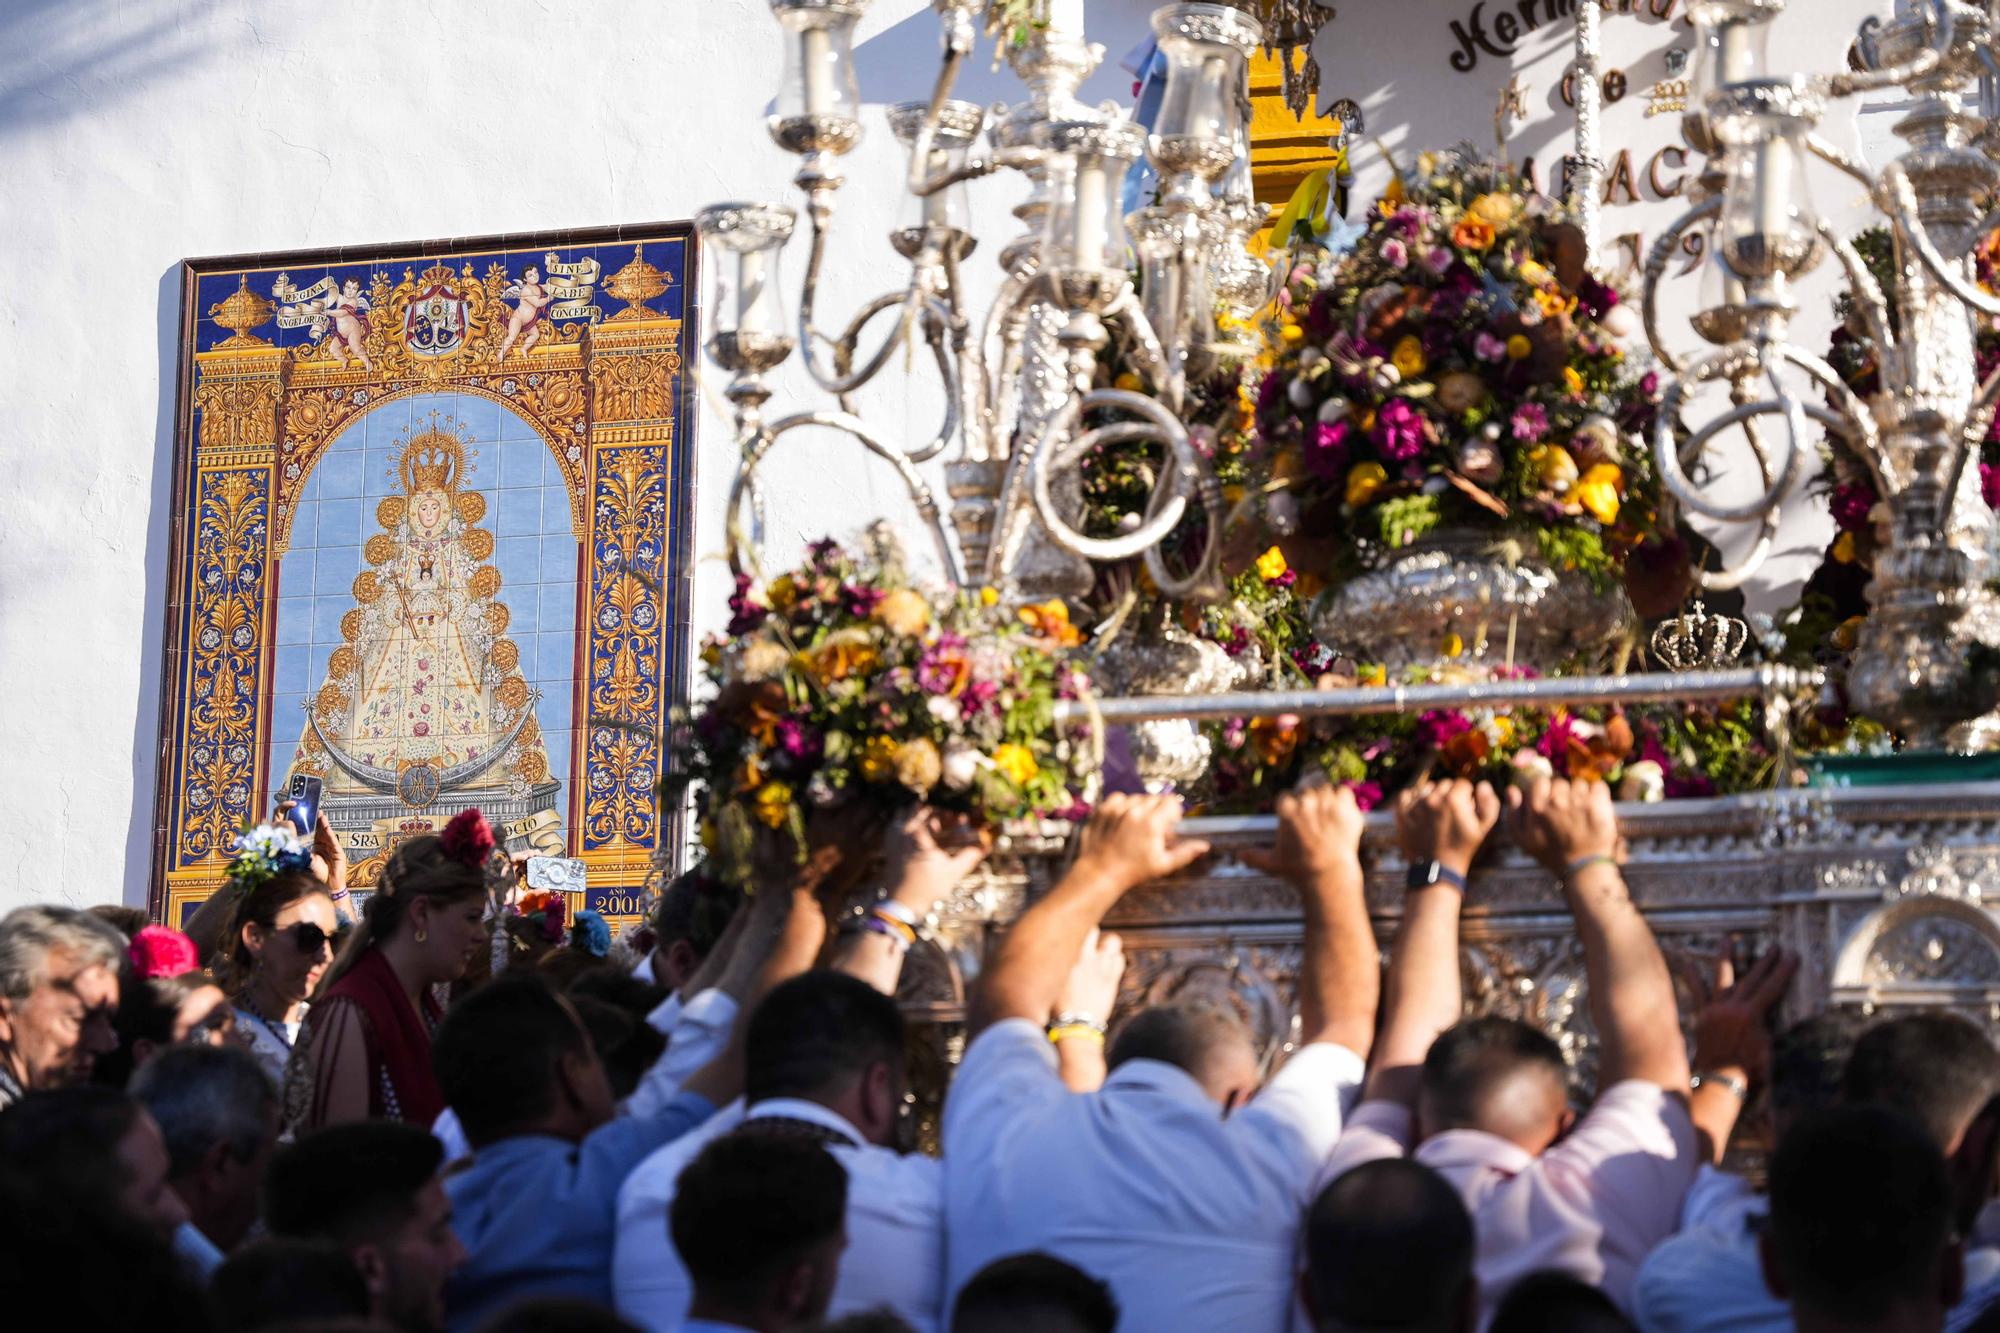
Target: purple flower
{"x":1852,"y":500}
{"x":1326,"y":454}
{"x":1367,"y":795}
{"x":1649,"y":383}
{"x":1438,"y":260}
{"x":1989,"y":484}
{"x":1395,"y":254}
{"x":1530,"y":422}
{"x":1403,"y":222}
{"x":978,"y":696}
{"x":798,"y":741}
{"x":745,"y":615}
{"x":1437,"y":339}
{"x":1321,"y":316}
{"x":1487,"y":347}
{"x":1237,"y":642}
{"x":824,"y":551}
{"x":1596,"y":298}
{"x":860,"y":599}
{"x":1399,"y":430}
{"x":1440,"y":725}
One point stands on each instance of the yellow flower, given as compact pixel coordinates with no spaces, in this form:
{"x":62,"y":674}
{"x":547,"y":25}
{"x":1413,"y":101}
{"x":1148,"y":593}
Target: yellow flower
{"x":1503,"y":730}
{"x":774,"y":804}
{"x":1129,"y":382}
{"x":878,"y":759}
{"x":1598,"y":492}
{"x":1843,"y":548}
{"x":1363,"y":480}
{"x":1473,"y":234}
{"x":1519,"y":348}
{"x":844,"y":653}
{"x":904,"y":611}
{"x":1292,"y":333}
{"x":1573,"y":381}
{"x":1848,"y":633}
{"x":1536,"y":274}
{"x":1554,"y":467}
{"x":1374,"y":674}
{"x":1495,"y":210}
{"x":1409,"y":356}
{"x":1271,"y":564}
{"x":1554,"y":303}
{"x":711,"y":654}
{"x":709,"y":837}
{"x":989,"y":596}
{"x":1454,"y":646}
{"x":1394,"y":194}
{"x":1050,"y":620}
{"x":919,"y":766}
{"x":1016,"y":764}
{"x":784,"y":590}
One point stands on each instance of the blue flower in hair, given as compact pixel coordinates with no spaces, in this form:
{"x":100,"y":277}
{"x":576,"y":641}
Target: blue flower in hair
{"x":591,"y":933}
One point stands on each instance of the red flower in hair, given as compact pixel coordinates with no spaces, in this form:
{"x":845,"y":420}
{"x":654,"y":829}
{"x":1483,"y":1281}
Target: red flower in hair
{"x":468,"y":838}
{"x":157,"y":951}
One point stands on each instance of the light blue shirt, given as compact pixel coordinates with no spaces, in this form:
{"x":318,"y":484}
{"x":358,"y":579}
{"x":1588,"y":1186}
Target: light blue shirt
{"x":1708,"y":1279}
{"x":197,"y":1252}
{"x":537,"y":1214}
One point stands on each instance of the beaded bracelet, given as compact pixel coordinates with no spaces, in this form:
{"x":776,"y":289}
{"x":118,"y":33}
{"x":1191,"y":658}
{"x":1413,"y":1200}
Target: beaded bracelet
{"x":893,"y":931}
{"x":1583,"y":863}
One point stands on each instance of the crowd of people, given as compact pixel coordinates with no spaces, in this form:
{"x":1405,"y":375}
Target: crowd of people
{"x":298,"y":1116}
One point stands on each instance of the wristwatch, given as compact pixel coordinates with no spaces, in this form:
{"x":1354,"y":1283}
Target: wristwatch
{"x":1423,"y":874}
{"x":1729,"y":1081}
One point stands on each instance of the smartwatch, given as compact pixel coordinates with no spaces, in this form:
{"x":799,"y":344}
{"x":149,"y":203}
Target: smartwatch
{"x":1423,"y":874}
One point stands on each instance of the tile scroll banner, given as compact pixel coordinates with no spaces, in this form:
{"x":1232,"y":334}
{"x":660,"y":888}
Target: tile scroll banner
{"x":431,"y":545}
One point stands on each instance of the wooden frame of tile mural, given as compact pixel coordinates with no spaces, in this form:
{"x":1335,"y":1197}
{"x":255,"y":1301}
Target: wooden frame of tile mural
{"x":431,"y":542}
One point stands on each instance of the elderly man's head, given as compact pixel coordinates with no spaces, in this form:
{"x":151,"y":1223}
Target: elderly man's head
{"x":58,"y":995}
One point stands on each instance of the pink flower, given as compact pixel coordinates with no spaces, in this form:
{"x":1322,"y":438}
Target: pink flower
{"x":1989,"y":484}
{"x":157,"y":951}
{"x":1438,"y":260}
{"x":1852,"y":500}
{"x":1487,"y":347}
{"x":468,"y":838}
{"x":1440,"y":725}
{"x":1399,"y":430}
{"x":1367,"y":795}
{"x":1395,"y":254}
{"x":1326,"y":455}
{"x":1530,"y":422}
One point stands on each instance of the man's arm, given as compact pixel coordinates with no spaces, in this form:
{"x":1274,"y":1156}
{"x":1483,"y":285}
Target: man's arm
{"x":784,"y":935}
{"x":1319,"y":852}
{"x":927,"y":857}
{"x":1443,"y":822}
{"x":1570,"y":828}
{"x":1083,"y":1011}
{"x":1732,"y":1045}
{"x":1129,"y":841}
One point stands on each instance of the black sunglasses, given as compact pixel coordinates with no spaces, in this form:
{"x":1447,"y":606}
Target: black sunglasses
{"x":307,"y":937}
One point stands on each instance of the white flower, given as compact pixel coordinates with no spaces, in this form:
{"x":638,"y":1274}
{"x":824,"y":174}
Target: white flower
{"x":1530,"y":768}
{"x":1300,"y":392}
{"x":944,"y":708}
{"x":1644,"y":781}
{"x":1281,"y":511}
{"x":961,"y":766}
{"x":1620,"y":323}
{"x":1332,"y":410}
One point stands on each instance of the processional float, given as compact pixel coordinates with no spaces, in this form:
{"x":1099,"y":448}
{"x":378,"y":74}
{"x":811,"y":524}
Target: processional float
{"x":1879,"y":881}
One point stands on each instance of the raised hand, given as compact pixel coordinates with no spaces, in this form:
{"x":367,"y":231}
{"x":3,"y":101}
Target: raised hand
{"x":1560,"y":822}
{"x":1732,"y":1031}
{"x":1319,"y":835}
{"x":1446,"y":822}
{"x":1131,"y":840}
{"x":928,"y":853}
{"x":1091,"y":989}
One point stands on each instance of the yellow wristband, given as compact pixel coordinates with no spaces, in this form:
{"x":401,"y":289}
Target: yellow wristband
{"x":1068,"y":1030}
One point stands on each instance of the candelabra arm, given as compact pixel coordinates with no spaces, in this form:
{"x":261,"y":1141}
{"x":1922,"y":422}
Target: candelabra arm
{"x":909,"y":303}
{"x":1656,"y":267}
{"x":1059,"y":448}
{"x":1867,"y":293}
{"x":1834,"y":155}
{"x":1943,"y":29}
{"x":1147,"y":350}
{"x":758,"y":444}
{"x":1003,"y":347}
{"x":1901,"y":206}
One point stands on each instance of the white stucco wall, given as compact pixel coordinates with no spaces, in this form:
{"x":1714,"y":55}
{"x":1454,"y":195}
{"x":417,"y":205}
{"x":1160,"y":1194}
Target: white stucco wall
{"x":134,"y":133}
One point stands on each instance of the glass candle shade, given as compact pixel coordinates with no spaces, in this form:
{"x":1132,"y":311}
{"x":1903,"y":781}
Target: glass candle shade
{"x":947,"y":212}
{"x":1731,"y":45}
{"x":743,"y":305}
{"x":1723,"y":300}
{"x":819,"y":98}
{"x":1084,"y":229}
{"x":1768,"y":227}
{"x":1195,"y":135}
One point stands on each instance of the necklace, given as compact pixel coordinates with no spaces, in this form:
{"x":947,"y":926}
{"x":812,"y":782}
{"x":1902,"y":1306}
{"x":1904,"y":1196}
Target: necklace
{"x":250,"y":1006}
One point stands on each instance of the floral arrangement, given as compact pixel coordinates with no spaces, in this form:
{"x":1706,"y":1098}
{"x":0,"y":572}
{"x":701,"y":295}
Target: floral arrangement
{"x":264,"y":851}
{"x":1647,"y":753}
{"x":1459,"y":369}
{"x":841,"y":688}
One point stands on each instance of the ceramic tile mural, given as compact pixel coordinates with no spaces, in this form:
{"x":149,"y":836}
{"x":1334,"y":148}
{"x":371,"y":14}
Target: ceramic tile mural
{"x":431,"y":546}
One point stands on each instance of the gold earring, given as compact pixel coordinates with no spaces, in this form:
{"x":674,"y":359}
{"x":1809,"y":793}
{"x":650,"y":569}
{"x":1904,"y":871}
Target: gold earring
{"x":421,"y":936}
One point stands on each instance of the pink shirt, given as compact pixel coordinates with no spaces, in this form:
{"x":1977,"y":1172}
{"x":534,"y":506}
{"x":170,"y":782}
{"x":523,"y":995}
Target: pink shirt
{"x":1592,"y":1206}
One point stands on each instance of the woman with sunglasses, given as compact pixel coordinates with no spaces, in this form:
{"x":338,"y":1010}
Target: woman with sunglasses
{"x":365,"y":1052}
{"x":280,"y":942}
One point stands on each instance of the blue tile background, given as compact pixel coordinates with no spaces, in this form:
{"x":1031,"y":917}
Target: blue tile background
{"x":527,"y":510}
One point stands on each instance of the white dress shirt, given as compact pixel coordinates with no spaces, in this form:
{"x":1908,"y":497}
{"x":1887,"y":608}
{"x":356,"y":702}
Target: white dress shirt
{"x":700,"y":1031}
{"x":665,"y":1014}
{"x":895,"y":1227}
{"x":1191,"y":1216}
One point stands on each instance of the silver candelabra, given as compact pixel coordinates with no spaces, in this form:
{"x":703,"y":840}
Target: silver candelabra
{"x":1916,"y":667}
